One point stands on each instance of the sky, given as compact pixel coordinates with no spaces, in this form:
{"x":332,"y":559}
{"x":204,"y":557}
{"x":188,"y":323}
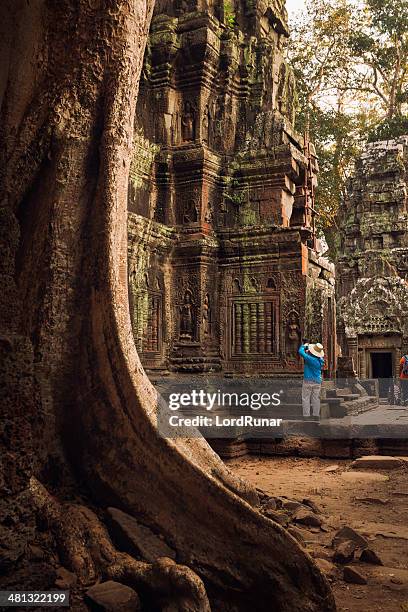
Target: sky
{"x":294,"y":5}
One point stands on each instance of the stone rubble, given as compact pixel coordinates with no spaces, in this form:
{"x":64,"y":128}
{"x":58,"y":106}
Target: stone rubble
{"x":137,"y":539}
{"x":112,"y":596}
{"x":352,"y":575}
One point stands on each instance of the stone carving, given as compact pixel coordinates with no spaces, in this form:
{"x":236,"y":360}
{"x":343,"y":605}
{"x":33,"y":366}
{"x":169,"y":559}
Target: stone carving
{"x":212,"y":199}
{"x":254,"y":284}
{"x":248,"y":214}
{"x":187,"y":322}
{"x":175,"y":126}
{"x":188,"y":122}
{"x":293,"y":335}
{"x":148,"y":315}
{"x":209,"y":214}
{"x":372,"y":270}
{"x":207,"y":315}
{"x":190,"y":213}
{"x":207,"y":125}
{"x":237,"y":286}
{"x":374,"y":306}
{"x":286,"y":92}
{"x":152,"y":339}
{"x":254,"y":325}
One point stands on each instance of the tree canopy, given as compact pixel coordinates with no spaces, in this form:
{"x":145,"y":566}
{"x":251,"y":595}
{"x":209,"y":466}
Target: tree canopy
{"x":351,"y":64}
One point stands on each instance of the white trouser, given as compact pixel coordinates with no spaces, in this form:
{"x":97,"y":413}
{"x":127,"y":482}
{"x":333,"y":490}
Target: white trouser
{"x":311,"y":397}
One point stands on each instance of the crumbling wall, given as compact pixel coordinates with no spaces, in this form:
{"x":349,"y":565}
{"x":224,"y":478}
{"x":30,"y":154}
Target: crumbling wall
{"x":372,"y":269}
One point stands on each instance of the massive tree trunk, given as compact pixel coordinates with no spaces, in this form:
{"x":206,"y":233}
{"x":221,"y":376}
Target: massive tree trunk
{"x":77,"y":400}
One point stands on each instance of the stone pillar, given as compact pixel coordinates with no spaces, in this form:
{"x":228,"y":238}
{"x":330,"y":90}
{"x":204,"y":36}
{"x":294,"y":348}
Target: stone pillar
{"x":353,"y":351}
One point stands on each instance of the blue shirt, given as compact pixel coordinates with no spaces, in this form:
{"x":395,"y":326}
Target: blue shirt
{"x":313,"y":366}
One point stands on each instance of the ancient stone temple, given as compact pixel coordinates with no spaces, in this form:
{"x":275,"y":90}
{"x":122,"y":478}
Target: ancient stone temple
{"x":372,"y":271}
{"x":223,"y":271}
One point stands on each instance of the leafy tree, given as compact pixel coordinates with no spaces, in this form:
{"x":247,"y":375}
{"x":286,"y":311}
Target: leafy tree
{"x":380,"y":44}
{"x":320,"y":56}
{"x":389,"y":128}
{"x":351,"y":64}
{"x":319,"y":52}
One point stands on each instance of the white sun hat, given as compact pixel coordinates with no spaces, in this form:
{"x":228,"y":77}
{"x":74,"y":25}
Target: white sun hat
{"x":316,"y":349}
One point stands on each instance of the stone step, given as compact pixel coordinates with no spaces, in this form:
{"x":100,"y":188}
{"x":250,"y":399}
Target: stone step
{"x":338,"y":392}
{"x":379,"y":462}
{"x":346,"y":394}
{"x":350,"y":397}
{"x":333,"y":408}
{"x":360,"y":405}
{"x":335,"y":401}
{"x":112,"y":596}
{"x":337,"y":408}
{"x":312,"y":447}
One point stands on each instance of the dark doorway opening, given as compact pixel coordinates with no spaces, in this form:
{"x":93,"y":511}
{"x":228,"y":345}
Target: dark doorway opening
{"x":381,"y":364}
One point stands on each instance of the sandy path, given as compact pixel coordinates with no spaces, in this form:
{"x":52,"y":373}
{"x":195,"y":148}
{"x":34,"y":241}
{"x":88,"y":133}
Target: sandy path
{"x":375,"y":503}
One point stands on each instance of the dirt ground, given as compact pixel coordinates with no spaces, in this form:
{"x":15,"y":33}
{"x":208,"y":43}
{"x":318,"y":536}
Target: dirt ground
{"x":373,"y":502}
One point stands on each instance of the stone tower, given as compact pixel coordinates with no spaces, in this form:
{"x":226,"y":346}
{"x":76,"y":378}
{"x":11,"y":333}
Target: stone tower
{"x":223,"y":275}
{"x":372,"y":270}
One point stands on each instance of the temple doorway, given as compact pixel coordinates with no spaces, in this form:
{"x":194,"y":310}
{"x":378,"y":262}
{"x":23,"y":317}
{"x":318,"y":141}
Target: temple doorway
{"x":381,"y":367}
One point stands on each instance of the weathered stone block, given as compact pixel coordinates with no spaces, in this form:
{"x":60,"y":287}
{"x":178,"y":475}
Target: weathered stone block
{"x":136,"y":538}
{"x":112,"y":596}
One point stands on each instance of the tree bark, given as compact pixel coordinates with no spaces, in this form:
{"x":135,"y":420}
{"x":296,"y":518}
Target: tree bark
{"x":77,"y":396}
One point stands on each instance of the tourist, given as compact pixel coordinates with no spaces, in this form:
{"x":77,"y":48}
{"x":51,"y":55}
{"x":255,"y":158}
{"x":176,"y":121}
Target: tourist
{"x":404,"y":379}
{"x":312,"y":377}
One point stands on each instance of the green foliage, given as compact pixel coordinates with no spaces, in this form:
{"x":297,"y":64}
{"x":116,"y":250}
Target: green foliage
{"x":391,"y":16}
{"x":350,"y":59}
{"x":229,"y":15}
{"x":389,"y":128}
{"x":379,"y":50}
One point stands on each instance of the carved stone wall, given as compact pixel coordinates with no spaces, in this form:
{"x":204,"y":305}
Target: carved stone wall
{"x":219,"y":186}
{"x":373,"y":267}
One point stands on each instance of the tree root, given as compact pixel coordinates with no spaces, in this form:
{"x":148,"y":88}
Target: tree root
{"x":85,"y":548}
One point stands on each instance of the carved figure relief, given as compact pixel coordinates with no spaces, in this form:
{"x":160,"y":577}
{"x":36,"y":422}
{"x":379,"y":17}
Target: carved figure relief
{"x":207,"y":316}
{"x":190,"y":213}
{"x":281,"y":89}
{"x":237,"y":286}
{"x":291,"y":97}
{"x":209,"y":214}
{"x":188,"y":123}
{"x":254,"y":284}
{"x":187,"y":322}
{"x":247,"y":214}
{"x":207,"y":125}
{"x":175,"y":126}
{"x":148,"y":314}
{"x":286,"y":92}
{"x":293,"y":335}
{"x":152,"y":340}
